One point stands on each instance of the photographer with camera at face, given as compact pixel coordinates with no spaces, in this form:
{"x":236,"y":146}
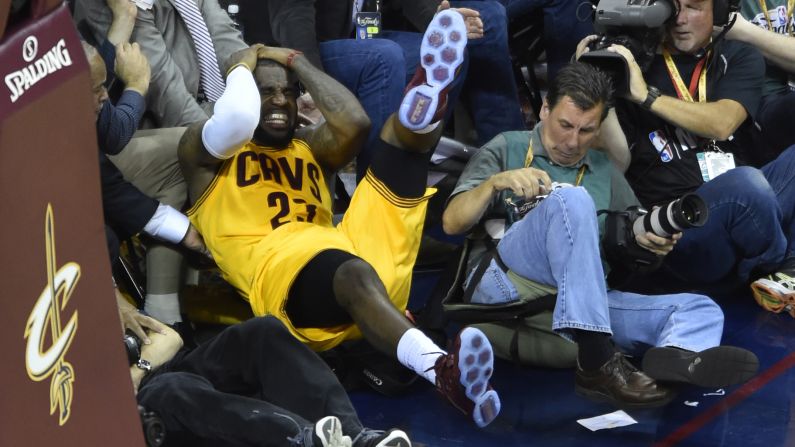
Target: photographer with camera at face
{"x":677,"y":123}
{"x":555,"y":248}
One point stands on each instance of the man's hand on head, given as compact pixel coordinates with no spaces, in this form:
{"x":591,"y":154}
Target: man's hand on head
{"x":132,"y":67}
{"x":471,"y":18}
{"x":283,"y":56}
{"x":246,"y":56}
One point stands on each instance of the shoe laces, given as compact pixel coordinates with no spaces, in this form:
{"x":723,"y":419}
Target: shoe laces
{"x":622,"y":366}
{"x":784,"y":279}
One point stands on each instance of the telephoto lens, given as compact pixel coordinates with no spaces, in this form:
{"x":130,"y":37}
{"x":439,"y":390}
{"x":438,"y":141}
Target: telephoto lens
{"x":688,"y":211}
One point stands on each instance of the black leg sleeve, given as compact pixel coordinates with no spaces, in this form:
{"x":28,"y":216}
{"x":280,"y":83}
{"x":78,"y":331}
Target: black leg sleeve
{"x":404,"y":173}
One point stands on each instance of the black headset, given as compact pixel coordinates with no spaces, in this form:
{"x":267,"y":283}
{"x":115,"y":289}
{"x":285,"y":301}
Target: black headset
{"x":721,"y":9}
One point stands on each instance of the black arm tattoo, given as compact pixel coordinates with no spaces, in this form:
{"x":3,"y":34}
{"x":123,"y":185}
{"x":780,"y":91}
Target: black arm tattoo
{"x":339,"y":138}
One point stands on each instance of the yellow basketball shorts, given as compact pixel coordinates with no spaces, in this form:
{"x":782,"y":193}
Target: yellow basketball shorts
{"x":379,"y":227}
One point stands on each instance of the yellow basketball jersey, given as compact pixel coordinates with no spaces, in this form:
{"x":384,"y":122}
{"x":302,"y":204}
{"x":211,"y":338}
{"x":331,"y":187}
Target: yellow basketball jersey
{"x":255,"y":192}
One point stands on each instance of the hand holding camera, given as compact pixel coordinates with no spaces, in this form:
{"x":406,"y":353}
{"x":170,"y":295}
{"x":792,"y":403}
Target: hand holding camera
{"x":636,"y":239}
{"x":518,"y":208}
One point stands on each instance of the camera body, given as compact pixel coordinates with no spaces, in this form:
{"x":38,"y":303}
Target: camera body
{"x":621,"y":249}
{"x":518,"y":208}
{"x":639,"y":25}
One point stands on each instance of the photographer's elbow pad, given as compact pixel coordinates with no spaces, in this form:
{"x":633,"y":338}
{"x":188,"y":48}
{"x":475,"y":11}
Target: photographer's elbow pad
{"x":235,"y":116}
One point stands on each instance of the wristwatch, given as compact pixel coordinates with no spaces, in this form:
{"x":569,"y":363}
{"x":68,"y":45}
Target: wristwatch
{"x":144,"y":365}
{"x":653,"y":94}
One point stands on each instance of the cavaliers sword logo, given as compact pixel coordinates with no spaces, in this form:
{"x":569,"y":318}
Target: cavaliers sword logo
{"x":42,"y":363}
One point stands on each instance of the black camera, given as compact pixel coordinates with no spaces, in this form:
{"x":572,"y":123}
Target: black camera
{"x":639,"y":25}
{"x":518,"y":208}
{"x":132,"y":344}
{"x":621,"y":249}
{"x":636,"y":24}
{"x":154,"y":430}
{"x":688,"y":211}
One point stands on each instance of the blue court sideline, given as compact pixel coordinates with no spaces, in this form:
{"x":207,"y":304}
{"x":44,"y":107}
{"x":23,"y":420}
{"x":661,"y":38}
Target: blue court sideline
{"x":540,"y":407}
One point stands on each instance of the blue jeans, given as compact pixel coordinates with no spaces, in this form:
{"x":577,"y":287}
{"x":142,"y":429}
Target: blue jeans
{"x":777,"y":121}
{"x":557,"y":244}
{"x":563,"y":29}
{"x":373,"y":70}
{"x":488,"y":88}
{"x":750,"y":226}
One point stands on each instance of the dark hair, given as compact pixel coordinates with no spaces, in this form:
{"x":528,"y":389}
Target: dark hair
{"x":585,"y":84}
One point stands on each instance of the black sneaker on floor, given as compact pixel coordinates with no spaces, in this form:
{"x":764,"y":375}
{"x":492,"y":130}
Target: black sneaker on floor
{"x":380,"y":438}
{"x":712,"y":368}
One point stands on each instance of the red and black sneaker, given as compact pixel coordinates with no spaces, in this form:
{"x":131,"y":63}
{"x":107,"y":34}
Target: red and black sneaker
{"x":462,"y":376}
{"x":441,"y":53}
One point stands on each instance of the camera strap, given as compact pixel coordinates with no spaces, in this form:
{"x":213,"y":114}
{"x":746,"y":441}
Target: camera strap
{"x":698,"y":81}
{"x":790,"y":4}
{"x":528,"y":160}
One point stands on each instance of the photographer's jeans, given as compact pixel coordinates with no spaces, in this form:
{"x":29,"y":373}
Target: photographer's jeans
{"x":566,"y":22}
{"x":557,"y":244}
{"x":750,"y":226}
{"x":373,"y":70}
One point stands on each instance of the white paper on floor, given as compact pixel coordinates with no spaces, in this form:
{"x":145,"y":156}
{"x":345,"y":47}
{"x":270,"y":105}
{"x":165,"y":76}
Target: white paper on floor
{"x":611,"y":420}
{"x":691,"y":404}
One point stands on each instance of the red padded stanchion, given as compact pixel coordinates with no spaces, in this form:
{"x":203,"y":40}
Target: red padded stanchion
{"x":64,"y":370}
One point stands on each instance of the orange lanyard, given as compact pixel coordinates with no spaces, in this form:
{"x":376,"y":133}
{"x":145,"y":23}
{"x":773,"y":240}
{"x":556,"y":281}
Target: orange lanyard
{"x":763,"y":6}
{"x":528,"y":159}
{"x":697,"y":81}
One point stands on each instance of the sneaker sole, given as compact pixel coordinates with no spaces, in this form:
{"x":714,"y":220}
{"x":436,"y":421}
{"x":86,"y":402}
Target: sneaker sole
{"x":396,"y":438}
{"x":441,"y":53}
{"x":712,"y":368}
{"x":329,"y":431}
{"x":773,"y":296}
{"x":476,"y":365}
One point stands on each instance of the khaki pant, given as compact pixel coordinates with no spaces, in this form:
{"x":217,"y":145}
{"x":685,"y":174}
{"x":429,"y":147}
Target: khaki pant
{"x":150,"y":163}
{"x":530,"y":341}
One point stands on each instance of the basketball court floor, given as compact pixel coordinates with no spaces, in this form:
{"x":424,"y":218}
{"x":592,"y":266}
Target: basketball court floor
{"x":540,"y":407}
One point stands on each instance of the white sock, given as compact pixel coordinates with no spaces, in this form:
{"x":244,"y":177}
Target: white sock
{"x":429,"y":128}
{"x":417,"y":352}
{"x":163,"y":307}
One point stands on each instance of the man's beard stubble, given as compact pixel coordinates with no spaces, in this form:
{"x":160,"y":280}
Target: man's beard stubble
{"x":263,"y":138}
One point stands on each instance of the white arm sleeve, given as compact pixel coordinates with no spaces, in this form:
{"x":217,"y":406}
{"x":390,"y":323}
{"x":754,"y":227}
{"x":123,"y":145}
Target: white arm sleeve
{"x":167,"y":224}
{"x":235,"y":116}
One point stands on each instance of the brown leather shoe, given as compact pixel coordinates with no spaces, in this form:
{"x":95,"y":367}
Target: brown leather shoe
{"x":621,"y":384}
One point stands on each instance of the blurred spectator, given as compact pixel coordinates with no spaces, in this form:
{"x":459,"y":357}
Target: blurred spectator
{"x":187,"y":56}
